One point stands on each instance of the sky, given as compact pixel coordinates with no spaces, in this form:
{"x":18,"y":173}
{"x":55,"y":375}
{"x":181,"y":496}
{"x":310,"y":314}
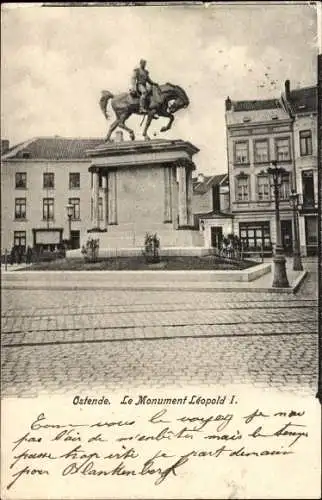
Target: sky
{"x":56,"y":61}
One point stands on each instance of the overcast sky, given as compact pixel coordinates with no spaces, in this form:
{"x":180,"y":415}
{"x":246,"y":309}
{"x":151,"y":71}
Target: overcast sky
{"x":56,"y":60}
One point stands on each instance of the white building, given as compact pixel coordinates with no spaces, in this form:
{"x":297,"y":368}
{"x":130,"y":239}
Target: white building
{"x":302,"y":107}
{"x":39,"y":178}
{"x":258,"y":132}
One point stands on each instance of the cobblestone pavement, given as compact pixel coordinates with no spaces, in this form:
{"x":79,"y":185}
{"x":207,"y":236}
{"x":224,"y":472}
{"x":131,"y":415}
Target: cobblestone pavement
{"x":57,"y":341}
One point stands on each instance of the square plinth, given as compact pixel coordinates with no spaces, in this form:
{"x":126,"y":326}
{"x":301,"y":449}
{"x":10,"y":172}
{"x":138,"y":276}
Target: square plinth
{"x":140,"y":187}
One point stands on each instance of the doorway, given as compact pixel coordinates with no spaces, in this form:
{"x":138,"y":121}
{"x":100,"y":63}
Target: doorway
{"x":287,"y":236}
{"x":311,"y":232}
{"x":216,"y":236}
{"x":75,"y":239}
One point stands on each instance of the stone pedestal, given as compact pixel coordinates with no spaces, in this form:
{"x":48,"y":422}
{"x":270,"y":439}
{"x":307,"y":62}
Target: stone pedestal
{"x":144,"y":186}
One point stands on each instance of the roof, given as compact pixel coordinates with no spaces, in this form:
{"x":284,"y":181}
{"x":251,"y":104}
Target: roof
{"x":214,"y":215}
{"x":53,"y":148}
{"x":256,"y":105}
{"x":304,"y":100}
{"x":208,"y":182}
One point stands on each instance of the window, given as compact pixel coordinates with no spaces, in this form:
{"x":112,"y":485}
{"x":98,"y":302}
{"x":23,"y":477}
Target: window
{"x":241,"y":152}
{"x":48,"y":209}
{"x":19,"y":238}
{"x":20,"y":208}
{"x":21,"y":180}
{"x":285,"y":187}
{"x":311,"y":227}
{"x":48,"y":180}
{"x":242,"y":189}
{"x":261,"y":151}
{"x":305,"y":142}
{"x":255,"y":235}
{"x":263,"y":188}
{"x":283,"y":152}
{"x":74,"y":180}
{"x":76,"y":207}
{"x":308,"y":188}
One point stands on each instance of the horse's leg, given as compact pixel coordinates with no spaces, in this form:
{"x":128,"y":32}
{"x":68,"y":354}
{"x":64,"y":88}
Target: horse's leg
{"x":111,"y":129}
{"x":122,"y":125}
{"x":147,"y":124}
{"x":166,"y":114}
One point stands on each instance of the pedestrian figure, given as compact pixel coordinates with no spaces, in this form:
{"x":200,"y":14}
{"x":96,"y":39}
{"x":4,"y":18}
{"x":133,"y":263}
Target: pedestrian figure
{"x":28,"y":255}
{"x":230,"y":250}
{"x":224,"y":247}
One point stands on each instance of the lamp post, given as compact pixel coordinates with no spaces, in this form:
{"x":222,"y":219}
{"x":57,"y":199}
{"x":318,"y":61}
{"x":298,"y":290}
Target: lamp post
{"x":69,"y":210}
{"x":280,"y":278}
{"x":297,"y":262}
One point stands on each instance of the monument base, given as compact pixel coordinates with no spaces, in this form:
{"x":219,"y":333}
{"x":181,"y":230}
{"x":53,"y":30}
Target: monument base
{"x":125,"y":236}
{"x":141,"y":187}
{"x":110,"y":253}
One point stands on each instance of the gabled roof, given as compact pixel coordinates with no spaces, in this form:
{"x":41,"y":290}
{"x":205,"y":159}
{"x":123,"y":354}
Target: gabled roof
{"x":304,"y":100}
{"x":207,"y":183}
{"x":52,"y":148}
{"x":256,"y":105}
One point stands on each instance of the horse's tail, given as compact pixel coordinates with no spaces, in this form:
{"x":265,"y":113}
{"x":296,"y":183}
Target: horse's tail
{"x":105,"y":97}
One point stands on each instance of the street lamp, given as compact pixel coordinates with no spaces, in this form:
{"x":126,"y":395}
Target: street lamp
{"x":297,"y":262}
{"x":280,"y":278}
{"x":70,"y":211}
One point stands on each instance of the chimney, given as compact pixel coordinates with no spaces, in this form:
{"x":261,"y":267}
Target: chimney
{"x":4,"y":146}
{"x":287,"y":90}
{"x":200,"y":178}
{"x":228,"y":104}
{"x":119,"y":136}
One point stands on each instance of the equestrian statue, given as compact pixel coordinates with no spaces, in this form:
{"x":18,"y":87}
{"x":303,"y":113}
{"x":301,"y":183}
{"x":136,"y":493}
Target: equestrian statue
{"x":145,"y":98}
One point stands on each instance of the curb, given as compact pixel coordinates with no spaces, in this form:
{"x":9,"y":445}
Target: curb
{"x":158,"y":288}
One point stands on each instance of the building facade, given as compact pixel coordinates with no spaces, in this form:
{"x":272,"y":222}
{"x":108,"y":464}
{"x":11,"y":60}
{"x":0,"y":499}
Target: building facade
{"x":302,"y":107}
{"x":211,"y":208}
{"x":39,"y":179}
{"x":259,"y":132}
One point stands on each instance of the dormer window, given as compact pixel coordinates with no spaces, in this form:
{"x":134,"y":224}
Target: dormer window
{"x":26,"y":155}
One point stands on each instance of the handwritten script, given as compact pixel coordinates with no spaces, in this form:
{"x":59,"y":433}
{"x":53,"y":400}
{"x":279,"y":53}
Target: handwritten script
{"x":160,"y":444}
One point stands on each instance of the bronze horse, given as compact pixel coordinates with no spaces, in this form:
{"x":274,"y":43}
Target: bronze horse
{"x":164,"y":101}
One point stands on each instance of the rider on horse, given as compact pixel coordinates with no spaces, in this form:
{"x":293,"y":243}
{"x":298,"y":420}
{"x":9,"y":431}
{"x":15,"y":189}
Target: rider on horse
{"x":141,"y":84}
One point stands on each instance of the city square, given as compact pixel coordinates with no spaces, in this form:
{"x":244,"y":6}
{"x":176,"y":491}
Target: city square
{"x":103,"y":335}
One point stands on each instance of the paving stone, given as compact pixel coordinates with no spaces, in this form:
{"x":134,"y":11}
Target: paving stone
{"x":203,"y":338}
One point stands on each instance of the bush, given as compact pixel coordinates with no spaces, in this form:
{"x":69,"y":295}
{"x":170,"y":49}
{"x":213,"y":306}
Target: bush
{"x":151,"y":250}
{"x":90,"y":249}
